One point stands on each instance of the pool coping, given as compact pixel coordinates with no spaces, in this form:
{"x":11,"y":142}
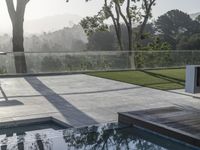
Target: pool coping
{"x":24,"y":122}
{"x":130,"y":119}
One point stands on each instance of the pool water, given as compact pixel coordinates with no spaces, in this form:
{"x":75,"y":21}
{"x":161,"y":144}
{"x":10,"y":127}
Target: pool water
{"x":22,"y":129}
{"x":103,"y":137}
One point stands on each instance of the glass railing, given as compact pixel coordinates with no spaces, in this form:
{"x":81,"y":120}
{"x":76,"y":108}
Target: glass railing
{"x":59,"y":62}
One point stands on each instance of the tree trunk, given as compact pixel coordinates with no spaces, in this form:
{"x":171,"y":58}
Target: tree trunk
{"x":131,"y":53}
{"x":18,"y":47}
{"x":128,"y":22}
{"x":17,"y":19}
{"x":119,"y":40}
{"x":131,"y":57}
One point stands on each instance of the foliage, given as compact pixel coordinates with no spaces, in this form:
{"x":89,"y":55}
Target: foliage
{"x":155,"y":54}
{"x":157,"y":44}
{"x":3,"y":70}
{"x":93,"y":24}
{"x":112,"y":9}
{"x":50,"y":64}
{"x":106,"y":137}
{"x":189,"y":43}
{"x":106,"y":40}
{"x":66,"y":39}
{"x":101,"y":41}
{"x":73,"y":62}
{"x":94,"y":61}
{"x":174,"y":24}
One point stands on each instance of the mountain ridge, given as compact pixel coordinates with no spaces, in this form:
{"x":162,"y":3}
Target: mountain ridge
{"x":51,"y":23}
{"x":45,"y":24}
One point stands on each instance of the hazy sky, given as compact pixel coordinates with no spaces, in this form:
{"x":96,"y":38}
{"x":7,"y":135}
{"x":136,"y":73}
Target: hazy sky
{"x":41,"y":8}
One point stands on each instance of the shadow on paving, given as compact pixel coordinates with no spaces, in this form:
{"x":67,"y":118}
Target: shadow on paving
{"x":73,"y":115}
{"x":95,"y":92}
{"x":10,"y":103}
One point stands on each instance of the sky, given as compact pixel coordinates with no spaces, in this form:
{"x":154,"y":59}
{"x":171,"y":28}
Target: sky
{"x":41,"y":8}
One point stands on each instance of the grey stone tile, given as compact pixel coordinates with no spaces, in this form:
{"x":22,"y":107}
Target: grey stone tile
{"x":81,"y":99}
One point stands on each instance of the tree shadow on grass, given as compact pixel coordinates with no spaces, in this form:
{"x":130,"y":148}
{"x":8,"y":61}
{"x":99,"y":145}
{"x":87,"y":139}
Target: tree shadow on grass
{"x":165,"y":77}
{"x":72,"y":114}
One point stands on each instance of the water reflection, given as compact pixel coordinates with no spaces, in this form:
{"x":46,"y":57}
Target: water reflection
{"x":104,"y":137}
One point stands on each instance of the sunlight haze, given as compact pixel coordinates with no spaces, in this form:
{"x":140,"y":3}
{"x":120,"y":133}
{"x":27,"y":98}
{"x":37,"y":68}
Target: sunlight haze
{"x":42,"y":8}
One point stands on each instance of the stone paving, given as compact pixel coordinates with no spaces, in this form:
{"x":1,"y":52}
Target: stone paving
{"x":81,"y":100}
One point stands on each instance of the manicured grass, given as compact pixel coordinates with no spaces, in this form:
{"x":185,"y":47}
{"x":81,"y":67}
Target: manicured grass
{"x":167,"y":79}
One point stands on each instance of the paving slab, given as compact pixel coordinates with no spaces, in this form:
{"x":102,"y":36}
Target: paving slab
{"x":81,"y":99}
{"x":182,"y":91}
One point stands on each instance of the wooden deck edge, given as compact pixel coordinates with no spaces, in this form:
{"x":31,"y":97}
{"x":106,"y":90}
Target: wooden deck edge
{"x":161,"y":129}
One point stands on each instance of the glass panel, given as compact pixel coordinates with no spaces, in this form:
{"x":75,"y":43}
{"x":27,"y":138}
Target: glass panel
{"x":58,"y":62}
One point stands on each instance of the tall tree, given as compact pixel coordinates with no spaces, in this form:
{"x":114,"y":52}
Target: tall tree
{"x":17,"y":19}
{"x":174,"y":24}
{"x":132,"y":16}
{"x":96,"y":23}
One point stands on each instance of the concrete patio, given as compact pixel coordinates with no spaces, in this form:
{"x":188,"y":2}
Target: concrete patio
{"x":81,"y":100}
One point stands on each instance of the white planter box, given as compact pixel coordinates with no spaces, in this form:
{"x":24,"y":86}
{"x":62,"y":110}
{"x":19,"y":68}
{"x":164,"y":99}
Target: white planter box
{"x":192,"y":84}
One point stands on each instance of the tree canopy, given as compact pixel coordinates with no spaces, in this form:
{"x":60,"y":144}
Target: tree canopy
{"x":134,"y":14}
{"x":174,"y":24}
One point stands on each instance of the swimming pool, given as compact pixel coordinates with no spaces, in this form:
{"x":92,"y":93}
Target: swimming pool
{"x":112,"y":136}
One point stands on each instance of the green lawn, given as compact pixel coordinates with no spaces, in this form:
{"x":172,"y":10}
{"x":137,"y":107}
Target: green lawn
{"x":168,"y":79}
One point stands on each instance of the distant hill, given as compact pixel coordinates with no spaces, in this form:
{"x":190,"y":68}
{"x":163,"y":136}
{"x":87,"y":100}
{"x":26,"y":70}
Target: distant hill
{"x":193,"y":16}
{"x":65,"y":39}
{"x":51,"y":23}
